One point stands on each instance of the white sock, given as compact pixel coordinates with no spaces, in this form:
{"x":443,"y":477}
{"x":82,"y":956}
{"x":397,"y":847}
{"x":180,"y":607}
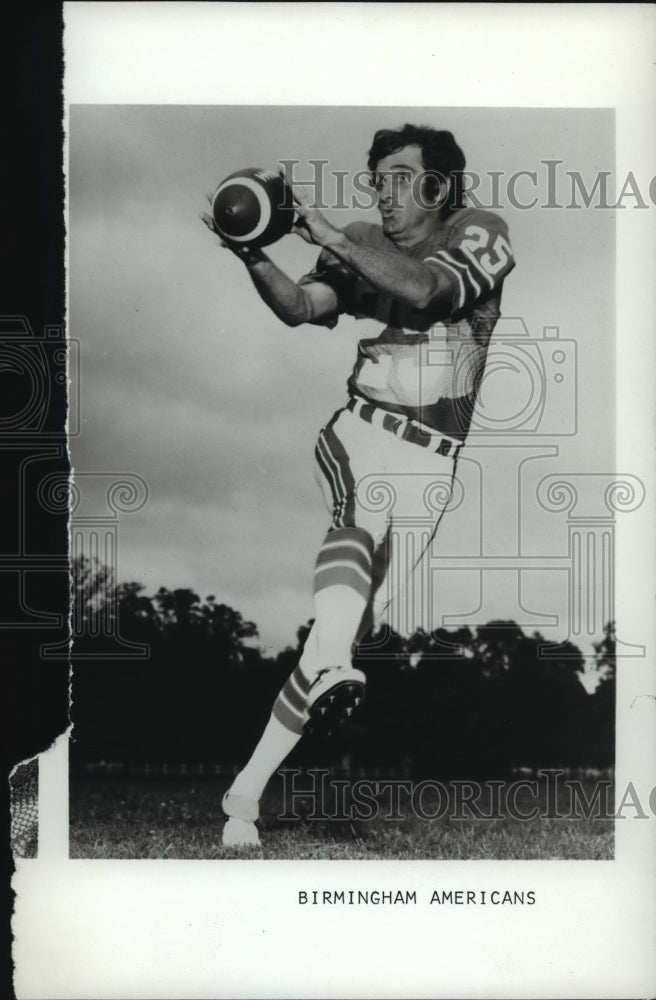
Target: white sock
{"x":275,"y":744}
{"x":339,"y":611}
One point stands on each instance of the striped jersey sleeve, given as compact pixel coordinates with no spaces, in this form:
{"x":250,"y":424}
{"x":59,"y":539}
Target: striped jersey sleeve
{"x":475,"y":257}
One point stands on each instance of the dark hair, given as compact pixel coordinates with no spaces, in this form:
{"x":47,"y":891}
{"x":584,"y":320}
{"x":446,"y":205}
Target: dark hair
{"x":440,"y":154}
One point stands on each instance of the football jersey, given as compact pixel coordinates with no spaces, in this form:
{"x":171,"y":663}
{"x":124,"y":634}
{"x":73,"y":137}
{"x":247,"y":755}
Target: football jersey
{"x":422,"y":364}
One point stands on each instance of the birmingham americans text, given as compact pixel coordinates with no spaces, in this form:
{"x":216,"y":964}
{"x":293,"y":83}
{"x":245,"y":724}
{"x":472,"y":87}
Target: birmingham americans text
{"x":443,"y":897}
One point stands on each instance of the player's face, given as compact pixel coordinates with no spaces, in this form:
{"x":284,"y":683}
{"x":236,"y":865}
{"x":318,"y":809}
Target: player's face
{"x":405,"y":210}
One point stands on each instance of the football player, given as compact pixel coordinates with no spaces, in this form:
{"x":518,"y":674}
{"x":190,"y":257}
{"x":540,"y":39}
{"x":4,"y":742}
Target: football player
{"x":430,"y":261}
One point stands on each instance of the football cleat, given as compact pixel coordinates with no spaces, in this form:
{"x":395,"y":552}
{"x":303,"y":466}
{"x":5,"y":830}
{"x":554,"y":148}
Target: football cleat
{"x":240,"y":833}
{"x":333,"y":698}
{"x":240,"y":829}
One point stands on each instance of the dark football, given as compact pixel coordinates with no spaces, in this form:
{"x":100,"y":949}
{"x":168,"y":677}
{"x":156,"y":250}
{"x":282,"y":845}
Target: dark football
{"x":253,"y":208}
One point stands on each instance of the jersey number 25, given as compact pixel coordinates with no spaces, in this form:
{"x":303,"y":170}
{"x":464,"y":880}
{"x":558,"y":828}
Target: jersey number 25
{"x":478,"y":240}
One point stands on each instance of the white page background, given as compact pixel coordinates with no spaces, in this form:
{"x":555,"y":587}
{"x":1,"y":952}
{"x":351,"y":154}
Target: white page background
{"x":234,"y":929}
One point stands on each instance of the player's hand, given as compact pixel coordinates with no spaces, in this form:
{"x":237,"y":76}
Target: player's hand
{"x":209,"y":220}
{"x":243,"y":252}
{"x":311,"y":225}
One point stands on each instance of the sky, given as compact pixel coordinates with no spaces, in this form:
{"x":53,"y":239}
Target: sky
{"x":188,"y":381}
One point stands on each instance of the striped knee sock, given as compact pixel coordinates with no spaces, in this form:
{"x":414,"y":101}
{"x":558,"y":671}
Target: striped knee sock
{"x":345,"y":559}
{"x":342,"y":582}
{"x":290,"y":706}
{"x":342,"y":588}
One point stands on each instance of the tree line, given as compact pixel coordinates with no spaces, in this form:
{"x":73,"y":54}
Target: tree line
{"x":449,"y":704}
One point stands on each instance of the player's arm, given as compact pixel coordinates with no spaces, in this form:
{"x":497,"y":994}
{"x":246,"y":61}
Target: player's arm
{"x":314,"y":302}
{"x":391,"y":272}
{"x":292,"y":303}
{"x":396,"y":275}
{"x":448,"y":283}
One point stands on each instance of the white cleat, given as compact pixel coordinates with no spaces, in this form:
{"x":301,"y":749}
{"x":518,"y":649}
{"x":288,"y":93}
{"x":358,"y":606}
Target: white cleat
{"x":240,"y":829}
{"x":240,"y":833}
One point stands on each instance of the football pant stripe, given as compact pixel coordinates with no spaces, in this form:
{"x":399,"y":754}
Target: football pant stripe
{"x":327,"y":474}
{"x":331,"y":471}
{"x":334,"y":462}
{"x":336,"y":449}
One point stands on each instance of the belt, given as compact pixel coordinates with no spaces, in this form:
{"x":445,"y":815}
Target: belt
{"x":404,"y":428}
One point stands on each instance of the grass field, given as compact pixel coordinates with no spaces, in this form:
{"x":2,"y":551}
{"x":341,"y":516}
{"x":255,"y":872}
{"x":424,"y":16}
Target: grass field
{"x":180,"y":818}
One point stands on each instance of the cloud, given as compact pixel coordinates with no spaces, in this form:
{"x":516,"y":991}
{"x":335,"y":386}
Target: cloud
{"x":189,"y":381}
{"x":256,"y":557}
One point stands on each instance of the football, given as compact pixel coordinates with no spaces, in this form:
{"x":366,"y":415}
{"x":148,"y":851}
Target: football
{"x":253,"y":208}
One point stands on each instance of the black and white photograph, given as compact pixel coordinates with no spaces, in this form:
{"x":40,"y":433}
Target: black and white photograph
{"x":356,"y":642}
{"x":371,"y":534}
